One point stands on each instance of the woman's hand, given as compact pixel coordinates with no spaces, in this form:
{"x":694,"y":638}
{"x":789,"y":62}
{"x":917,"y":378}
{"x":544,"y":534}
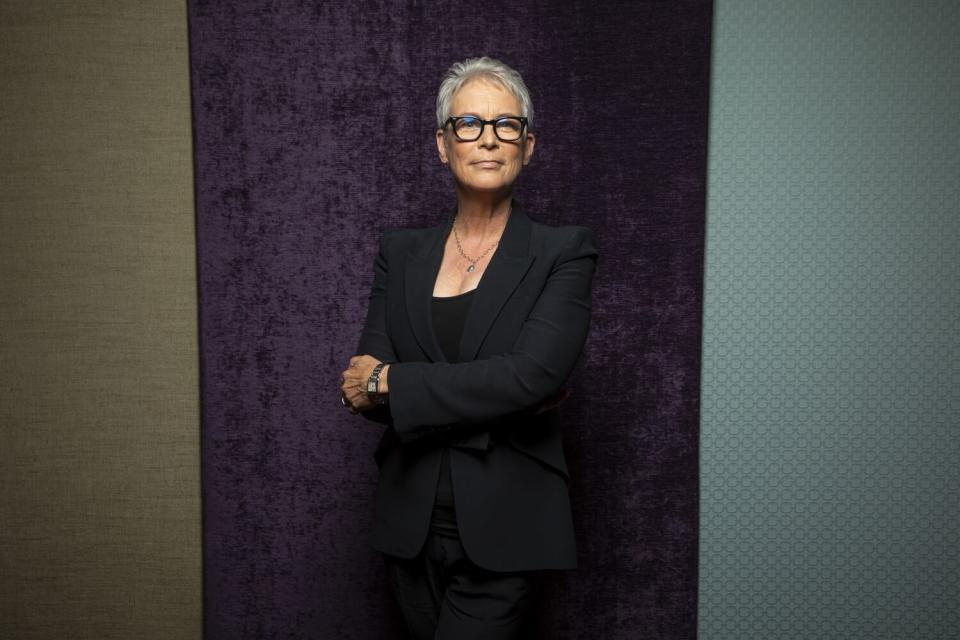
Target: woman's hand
{"x":353,"y":382}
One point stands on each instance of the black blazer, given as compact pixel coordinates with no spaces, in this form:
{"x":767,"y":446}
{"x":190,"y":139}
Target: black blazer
{"x":523,"y":336}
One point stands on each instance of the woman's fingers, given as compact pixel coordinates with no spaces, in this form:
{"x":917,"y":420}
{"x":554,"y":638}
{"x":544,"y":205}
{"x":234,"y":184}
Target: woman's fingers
{"x":353,"y":383}
{"x":358,"y":398}
{"x":359,"y":405}
{"x":355,"y":376}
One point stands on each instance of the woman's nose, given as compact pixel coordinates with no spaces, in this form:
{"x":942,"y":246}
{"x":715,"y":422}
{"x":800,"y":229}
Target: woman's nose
{"x":489,"y":137}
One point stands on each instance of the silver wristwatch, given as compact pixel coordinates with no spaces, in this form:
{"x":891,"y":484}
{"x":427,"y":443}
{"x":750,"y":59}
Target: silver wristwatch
{"x":373,"y":384}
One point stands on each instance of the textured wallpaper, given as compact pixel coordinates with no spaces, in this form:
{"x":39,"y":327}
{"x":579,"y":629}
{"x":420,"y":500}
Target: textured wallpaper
{"x":831,"y":357}
{"x":314,"y":127}
{"x":99,"y":403}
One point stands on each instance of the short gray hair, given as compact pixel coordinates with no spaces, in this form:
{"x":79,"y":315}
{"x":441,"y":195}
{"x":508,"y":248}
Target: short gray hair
{"x":460,"y":73}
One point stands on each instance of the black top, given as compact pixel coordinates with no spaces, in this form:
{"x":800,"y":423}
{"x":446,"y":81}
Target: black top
{"x":449,"y":315}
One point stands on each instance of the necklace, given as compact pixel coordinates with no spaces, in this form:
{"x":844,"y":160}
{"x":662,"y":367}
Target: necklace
{"x":473,"y":262}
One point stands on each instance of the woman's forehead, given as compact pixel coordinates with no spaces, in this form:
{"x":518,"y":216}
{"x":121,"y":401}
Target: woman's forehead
{"x":483,"y":96}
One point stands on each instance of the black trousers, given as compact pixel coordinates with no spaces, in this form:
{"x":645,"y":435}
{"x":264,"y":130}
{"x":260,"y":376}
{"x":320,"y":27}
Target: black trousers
{"x":444,"y":596}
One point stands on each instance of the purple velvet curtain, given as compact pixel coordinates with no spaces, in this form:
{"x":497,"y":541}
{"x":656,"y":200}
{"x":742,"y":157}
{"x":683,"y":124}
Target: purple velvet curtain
{"x":313,"y":128}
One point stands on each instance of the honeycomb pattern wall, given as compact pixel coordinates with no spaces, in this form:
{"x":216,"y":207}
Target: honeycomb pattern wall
{"x":830,"y":499}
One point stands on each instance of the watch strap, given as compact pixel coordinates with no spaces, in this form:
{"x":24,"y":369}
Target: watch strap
{"x":373,"y":382}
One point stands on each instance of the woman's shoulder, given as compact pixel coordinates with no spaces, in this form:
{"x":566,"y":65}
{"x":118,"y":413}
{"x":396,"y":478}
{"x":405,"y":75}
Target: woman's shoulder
{"x":394,"y":238}
{"x":560,"y":236}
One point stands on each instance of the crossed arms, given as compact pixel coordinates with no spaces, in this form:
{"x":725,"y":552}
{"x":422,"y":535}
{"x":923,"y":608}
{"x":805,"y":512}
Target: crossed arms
{"x":427,"y":397}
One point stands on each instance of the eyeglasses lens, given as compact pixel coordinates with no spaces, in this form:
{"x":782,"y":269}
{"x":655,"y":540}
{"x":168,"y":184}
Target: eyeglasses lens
{"x":507,"y":129}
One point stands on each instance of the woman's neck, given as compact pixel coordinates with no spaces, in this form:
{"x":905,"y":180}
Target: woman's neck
{"x":478,"y":215}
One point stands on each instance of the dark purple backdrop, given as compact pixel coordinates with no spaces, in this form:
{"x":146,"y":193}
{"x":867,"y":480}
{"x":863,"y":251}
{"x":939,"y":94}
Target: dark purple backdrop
{"x":313,"y":128}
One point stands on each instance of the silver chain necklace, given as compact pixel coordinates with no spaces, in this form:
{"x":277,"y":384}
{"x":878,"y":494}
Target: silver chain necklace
{"x":473,"y":263}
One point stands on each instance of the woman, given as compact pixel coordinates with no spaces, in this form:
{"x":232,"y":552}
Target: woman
{"x":473,"y":327}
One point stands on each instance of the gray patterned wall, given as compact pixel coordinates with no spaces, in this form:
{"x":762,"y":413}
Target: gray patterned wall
{"x":829,"y":447}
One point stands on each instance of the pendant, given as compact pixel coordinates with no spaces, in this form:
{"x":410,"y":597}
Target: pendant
{"x":471,"y":268}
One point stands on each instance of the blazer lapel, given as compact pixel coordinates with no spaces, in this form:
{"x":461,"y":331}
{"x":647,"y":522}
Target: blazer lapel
{"x":419,"y":278}
{"x":510,"y":262}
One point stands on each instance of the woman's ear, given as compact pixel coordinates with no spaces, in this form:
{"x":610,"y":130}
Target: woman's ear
{"x":528,"y":146}
{"x":442,"y":146}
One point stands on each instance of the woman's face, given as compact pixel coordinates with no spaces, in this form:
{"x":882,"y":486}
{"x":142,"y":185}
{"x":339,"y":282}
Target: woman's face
{"x":487,"y":163}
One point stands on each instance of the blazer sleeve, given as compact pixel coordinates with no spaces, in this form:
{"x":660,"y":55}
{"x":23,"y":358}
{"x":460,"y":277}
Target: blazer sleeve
{"x":374,"y":340}
{"x":429,"y":396}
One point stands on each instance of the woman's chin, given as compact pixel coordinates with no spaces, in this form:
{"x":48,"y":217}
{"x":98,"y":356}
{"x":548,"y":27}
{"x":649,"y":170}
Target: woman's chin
{"x":486,"y":186}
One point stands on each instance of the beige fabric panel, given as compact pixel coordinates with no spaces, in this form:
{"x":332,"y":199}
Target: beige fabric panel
{"x":99,"y":412}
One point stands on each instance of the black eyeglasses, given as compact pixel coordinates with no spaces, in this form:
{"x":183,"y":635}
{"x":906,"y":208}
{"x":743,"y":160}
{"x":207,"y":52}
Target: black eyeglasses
{"x":470,"y":128}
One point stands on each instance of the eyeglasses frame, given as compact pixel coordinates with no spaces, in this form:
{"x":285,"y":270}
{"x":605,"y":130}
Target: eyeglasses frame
{"x":452,"y":120}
